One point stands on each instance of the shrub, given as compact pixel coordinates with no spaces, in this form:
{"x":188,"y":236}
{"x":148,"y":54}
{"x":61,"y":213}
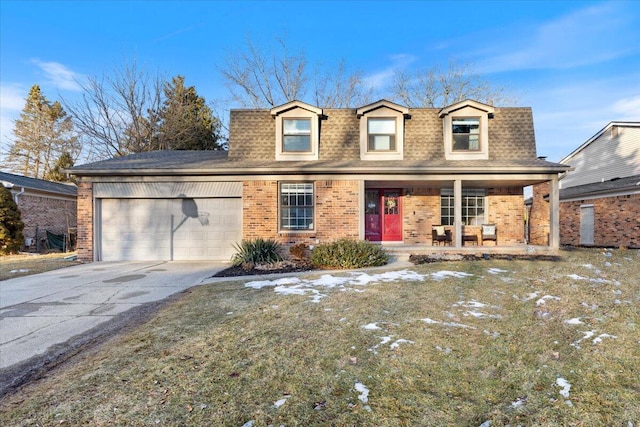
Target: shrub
{"x":258,"y":251}
{"x":11,"y":225}
{"x":299,"y":251}
{"x":346,"y":253}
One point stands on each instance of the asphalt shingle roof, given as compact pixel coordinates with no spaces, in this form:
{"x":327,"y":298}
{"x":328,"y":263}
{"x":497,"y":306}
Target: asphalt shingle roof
{"x":39,"y":184}
{"x":617,"y":184}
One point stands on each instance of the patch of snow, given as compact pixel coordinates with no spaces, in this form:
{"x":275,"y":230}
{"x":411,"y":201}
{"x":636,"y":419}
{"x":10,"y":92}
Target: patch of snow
{"x":470,"y":304}
{"x":229,"y":313}
{"x":592,"y":306}
{"x":574,"y":321}
{"x":279,"y":403}
{"x":384,"y":341}
{"x":607,"y":264}
{"x":342,"y":319}
{"x":371,"y":326}
{"x":485,"y":424}
{"x":587,"y":335}
{"x":518,"y":402}
{"x":576,"y":277}
{"x":496,"y":271}
{"x":440,"y":275}
{"x":542,"y":300}
{"x":446,"y":350}
{"x":588,"y":265}
{"x":397,"y":343}
{"x":452,"y":324}
{"x":20,"y":270}
{"x":248,"y":424}
{"x":259,"y":284}
{"x":598,"y":339}
{"x":364,"y":394}
{"x":479,"y":314}
{"x":494,"y":334}
{"x":617,"y":292}
{"x":561,"y":382}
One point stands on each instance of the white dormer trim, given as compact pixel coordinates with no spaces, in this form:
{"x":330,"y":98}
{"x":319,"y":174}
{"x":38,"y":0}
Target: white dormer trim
{"x":381,"y":110}
{"x":466,"y":109}
{"x":297,"y":110}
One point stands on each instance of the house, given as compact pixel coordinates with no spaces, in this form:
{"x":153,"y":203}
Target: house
{"x":44,"y":206}
{"x":301,"y":174}
{"x":600,"y":196}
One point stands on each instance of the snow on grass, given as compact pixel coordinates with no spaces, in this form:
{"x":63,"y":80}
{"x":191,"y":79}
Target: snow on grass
{"x":440,"y":275}
{"x":296,"y":286}
{"x":598,"y":339}
{"x":587,"y":335}
{"x":574,"y":321}
{"x":542,"y":300}
{"x":397,"y":343}
{"x":561,"y":382}
{"x":364,"y":394}
{"x":576,"y":277}
{"x":279,"y":403}
{"x":452,"y":324}
{"x":496,"y":271}
{"x":470,"y":304}
{"x":371,"y":326}
{"x":480,"y":314}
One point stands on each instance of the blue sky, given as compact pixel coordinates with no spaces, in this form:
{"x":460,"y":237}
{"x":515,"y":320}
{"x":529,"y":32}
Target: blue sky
{"x":577,"y":64}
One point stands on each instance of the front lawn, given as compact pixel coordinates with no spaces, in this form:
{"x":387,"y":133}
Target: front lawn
{"x":494,"y":342}
{"x":12,"y":266}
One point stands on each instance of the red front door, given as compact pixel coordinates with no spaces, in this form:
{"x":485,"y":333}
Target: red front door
{"x":383,"y":215}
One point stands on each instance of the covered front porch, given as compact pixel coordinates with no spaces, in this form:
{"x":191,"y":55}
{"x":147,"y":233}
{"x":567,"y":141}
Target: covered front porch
{"x":407,"y":212}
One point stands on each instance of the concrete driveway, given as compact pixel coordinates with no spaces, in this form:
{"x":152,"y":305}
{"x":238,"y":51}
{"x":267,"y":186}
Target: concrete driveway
{"x":42,"y":315}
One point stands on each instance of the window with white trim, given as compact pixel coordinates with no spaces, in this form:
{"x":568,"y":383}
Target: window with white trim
{"x":473,"y":206}
{"x":381,"y":134}
{"x":296,"y":135}
{"x":296,"y":206}
{"x":466,"y":133}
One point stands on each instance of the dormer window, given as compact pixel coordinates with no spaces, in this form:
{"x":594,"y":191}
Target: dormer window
{"x":466,"y":133}
{"x":466,"y":130}
{"x":296,"y":135}
{"x":297,"y":131}
{"x":382,"y":131}
{"x":381,"y":134}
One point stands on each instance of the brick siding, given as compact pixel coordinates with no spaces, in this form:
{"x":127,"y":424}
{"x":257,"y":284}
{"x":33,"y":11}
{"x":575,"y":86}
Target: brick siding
{"x":616,"y":221}
{"x":539,"y":216}
{"x":84,"y":245}
{"x":336,"y":213}
{"x":506,"y":209}
{"x":45,"y":213}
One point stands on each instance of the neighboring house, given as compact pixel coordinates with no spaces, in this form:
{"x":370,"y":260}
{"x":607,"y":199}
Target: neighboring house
{"x":600,"y":196}
{"x":44,"y":205}
{"x":301,"y":174}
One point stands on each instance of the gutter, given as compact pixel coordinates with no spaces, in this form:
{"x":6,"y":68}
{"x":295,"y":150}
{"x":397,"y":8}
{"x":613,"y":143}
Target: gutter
{"x":16,"y":195}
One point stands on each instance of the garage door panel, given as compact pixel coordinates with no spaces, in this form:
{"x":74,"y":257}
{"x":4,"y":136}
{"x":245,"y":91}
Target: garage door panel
{"x":157,"y":229}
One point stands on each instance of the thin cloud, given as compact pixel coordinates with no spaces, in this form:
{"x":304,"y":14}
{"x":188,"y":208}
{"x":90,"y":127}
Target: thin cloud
{"x":59,"y":75}
{"x":380,"y":79}
{"x":588,"y":36}
{"x":12,"y":100}
{"x":627,"y":109}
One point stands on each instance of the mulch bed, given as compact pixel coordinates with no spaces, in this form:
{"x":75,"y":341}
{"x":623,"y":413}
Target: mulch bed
{"x":261,"y":270}
{"x":425,"y":259}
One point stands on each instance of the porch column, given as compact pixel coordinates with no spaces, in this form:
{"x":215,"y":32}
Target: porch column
{"x":457,"y":213}
{"x":554,"y":213}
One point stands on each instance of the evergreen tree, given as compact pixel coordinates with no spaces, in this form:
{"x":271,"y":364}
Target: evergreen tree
{"x":186,"y":122}
{"x":11,"y":225}
{"x":56,"y":173}
{"x":42,"y":133}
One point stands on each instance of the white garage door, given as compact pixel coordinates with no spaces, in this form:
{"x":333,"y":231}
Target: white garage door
{"x":169,"y":229}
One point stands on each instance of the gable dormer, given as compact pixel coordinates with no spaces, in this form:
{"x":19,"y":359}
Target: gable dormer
{"x":382,"y":130}
{"x":466,"y":130}
{"x":297,"y":131}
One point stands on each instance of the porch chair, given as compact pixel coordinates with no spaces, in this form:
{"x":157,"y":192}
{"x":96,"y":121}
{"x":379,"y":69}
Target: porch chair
{"x":489,"y":232}
{"x":440,"y":235}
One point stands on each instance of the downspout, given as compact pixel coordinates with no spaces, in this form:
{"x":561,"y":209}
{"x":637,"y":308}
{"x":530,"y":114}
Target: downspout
{"x":16,"y":195}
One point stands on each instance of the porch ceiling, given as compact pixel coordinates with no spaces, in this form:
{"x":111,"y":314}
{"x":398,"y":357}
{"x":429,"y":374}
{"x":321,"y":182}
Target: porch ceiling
{"x":481,"y":183}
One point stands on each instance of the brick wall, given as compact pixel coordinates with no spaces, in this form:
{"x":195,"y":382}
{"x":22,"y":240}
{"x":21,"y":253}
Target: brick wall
{"x":85,"y":221}
{"x":46,"y":213}
{"x":539,"y":216}
{"x":336,"y":212}
{"x":421,"y":210}
{"x":506,"y":209}
{"x":616,"y":221}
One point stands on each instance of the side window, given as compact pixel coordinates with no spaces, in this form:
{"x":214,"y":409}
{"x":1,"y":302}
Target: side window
{"x":382,"y":130}
{"x":473,"y":207}
{"x":296,"y":206}
{"x":296,"y":135}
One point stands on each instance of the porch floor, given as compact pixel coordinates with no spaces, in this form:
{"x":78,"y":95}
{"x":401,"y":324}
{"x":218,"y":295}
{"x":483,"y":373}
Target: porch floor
{"x":402,"y":251}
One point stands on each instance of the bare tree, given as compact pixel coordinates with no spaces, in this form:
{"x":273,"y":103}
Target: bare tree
{"x":117,"y":114}
{"x":435,"y":87}
{"x":259,"y":79}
